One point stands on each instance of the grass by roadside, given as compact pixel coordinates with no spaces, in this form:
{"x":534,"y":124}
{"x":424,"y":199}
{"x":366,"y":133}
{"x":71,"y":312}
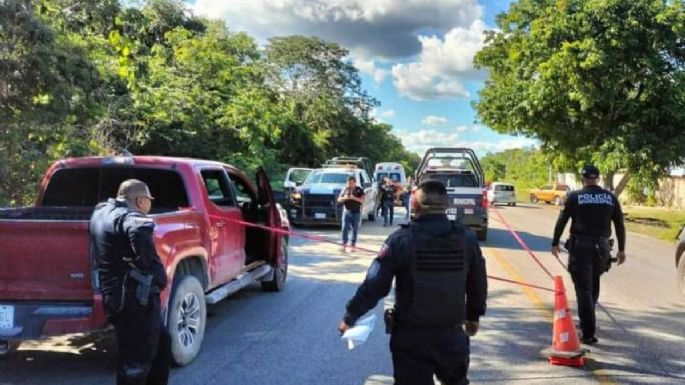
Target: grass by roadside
{"x":655,"y":222}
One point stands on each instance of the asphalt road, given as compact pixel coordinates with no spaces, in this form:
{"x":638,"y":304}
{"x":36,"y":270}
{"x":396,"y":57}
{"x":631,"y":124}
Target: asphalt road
{"x":290,"y":338}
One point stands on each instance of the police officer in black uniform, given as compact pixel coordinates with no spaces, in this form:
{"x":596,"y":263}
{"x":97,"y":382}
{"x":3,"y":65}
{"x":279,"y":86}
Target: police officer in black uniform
{"x":591,"y":211}
{"x":131,"y":277}
{"x":441,"y":284}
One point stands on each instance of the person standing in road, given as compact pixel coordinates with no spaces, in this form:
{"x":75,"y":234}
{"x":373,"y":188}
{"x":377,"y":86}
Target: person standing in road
{"x":388,"y":193}
{"x":131,"y":276}
{"x":441,"y":290}
{"x":406,"y":194}
{"x":352,"y":198}
{"x":591,"y":210}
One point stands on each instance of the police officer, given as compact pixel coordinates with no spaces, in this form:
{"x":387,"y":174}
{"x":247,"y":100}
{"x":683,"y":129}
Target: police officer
{"x":388,"y":193}
{"x":591,"y":210}
{"x":131,"y":277}
{"x":441,"y":283}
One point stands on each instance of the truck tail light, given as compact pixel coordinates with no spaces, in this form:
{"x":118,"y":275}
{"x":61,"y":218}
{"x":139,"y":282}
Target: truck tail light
{"x":484,"y":201}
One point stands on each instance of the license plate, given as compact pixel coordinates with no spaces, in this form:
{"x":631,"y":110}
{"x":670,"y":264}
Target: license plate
{"x":6,"y":317}
{"x":468,"y":211}
{"x":320,"y":216}
{"x":451,"y":217}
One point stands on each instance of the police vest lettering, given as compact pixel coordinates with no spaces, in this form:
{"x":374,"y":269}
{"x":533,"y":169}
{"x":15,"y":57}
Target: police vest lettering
{"x":464,"y":201}
{"x":596,"y":199}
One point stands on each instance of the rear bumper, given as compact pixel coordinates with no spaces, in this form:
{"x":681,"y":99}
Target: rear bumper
{"x":34,"y":320}
{"x":503,"y":200}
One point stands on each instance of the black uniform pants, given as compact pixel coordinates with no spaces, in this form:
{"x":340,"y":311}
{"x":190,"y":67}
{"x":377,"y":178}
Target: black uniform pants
{"x":586,"y":268}
{"x":388,"y":211}
{"x":418,"y":355}
{"x":144,"y":343}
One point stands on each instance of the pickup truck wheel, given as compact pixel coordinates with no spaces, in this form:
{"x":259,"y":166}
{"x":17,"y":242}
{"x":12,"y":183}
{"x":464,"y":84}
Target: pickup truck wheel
{"x":482,"y":235}
{"x":533,"y":199}
{"x":277,"y":283}
{"x":187,"y":318}
{"x":8,"y":347}
{"x":681,"y":275}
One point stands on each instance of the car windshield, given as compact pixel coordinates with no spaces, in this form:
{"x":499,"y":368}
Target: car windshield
{"x":328,"y":177}
{"x":299,"y":176}
{"x":395,"y":176}
{"x":504,"y":187}
{"x":455,"y":180}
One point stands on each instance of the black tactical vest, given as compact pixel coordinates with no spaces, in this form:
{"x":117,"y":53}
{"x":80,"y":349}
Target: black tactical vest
{"x":439,"y":270}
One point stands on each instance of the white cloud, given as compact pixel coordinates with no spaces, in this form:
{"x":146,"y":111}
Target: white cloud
{"x":420,"y":141}
{"x":369,"y":67}
{"x":382,"y":28}
{"x":461,"y":129}
{"x":443,"y":65}
{"x":433,"y":120}
{"x":380,"y":114}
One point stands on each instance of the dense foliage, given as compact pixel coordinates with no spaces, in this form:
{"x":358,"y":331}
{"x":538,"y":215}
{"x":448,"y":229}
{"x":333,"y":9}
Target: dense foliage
{"x":600,"y":81}
{"x":526,"y":168}
{"x":86,"y":77}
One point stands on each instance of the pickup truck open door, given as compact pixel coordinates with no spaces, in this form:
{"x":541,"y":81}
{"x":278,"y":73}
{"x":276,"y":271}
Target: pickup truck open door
{"x":276,"y":246}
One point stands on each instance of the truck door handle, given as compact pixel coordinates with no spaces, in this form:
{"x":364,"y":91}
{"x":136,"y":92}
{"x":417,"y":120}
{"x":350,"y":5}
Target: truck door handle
{"x":220,"y":224}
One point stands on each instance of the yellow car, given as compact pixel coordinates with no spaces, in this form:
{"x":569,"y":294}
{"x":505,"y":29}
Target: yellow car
{"x":551,"y":193}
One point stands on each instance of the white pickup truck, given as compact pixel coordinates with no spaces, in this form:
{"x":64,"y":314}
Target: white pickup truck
{"x":460,"y":171}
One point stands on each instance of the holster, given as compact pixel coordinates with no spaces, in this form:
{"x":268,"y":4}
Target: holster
{"x":389,"y":320}
{"x":144,"y":285}
{"x":602,"y":246}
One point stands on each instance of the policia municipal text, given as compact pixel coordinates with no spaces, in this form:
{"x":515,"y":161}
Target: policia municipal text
{"x":441,"y":283}
{"x":591,"y":211}
{"x":131,"y":277}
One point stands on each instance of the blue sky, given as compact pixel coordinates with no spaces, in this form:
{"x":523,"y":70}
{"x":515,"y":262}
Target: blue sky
{"x":414,"y":56}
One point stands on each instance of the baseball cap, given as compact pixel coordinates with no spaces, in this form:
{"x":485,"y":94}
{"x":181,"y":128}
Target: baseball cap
{"x":590,"y":172}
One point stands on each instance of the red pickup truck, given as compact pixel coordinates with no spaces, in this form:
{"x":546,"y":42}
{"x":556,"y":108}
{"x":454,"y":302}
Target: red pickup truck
{"x":47,"y":282}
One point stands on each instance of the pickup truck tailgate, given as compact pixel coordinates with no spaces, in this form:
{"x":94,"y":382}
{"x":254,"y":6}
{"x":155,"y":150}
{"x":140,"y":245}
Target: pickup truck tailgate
{"x":45,"y":260}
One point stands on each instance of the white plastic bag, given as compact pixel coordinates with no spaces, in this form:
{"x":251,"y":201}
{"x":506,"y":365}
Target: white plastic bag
{"x":358,"y":334}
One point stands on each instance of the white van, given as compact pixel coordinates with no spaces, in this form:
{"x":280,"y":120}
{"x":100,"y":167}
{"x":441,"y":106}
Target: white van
{"x":503,"y":193}
{"x":393,"y":170}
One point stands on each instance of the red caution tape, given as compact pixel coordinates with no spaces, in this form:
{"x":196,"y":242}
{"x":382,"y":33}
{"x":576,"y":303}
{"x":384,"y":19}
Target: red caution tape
{"x":521,"y":242}
{"x":325,"y":240}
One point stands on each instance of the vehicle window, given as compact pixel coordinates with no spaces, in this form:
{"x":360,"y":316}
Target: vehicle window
{"x":243,"y":192}
{"x":562,"y":188}
{"x":455,"y":180}
{"x":362,"y":178}
{"x":381,"y":175}
{"x":86,"y":187}
{"x":299,"y":176}
{"x":547,"y":187}
{"x":395,"y":176}
{"x":504,"y":188}
{"x":328,"y":177}
{"x":218,"y":189}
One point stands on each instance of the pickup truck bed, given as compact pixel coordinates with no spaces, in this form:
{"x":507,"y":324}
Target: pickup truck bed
{"x":47,"y":282}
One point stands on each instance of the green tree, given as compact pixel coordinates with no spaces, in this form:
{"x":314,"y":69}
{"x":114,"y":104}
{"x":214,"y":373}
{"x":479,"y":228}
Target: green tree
{"x":323,"y":94}
{"x":600,"y":81}
{"x":48,"y":93}
{"x":526,"y":168}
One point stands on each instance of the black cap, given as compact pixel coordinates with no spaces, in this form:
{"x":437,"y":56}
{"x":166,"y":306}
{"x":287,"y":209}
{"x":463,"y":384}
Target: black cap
{"x":590,"y":172}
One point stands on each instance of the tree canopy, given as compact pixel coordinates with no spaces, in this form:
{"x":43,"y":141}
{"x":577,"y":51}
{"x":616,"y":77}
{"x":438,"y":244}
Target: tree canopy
{"x":600,"y":81}
{"x":92,"y":77}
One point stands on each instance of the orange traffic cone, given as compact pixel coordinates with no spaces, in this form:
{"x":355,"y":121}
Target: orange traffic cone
{"x":565,"y":349}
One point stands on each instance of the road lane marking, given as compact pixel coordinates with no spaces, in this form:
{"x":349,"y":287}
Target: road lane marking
{"x":600,"y":373}
{"x":513,"y":273}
